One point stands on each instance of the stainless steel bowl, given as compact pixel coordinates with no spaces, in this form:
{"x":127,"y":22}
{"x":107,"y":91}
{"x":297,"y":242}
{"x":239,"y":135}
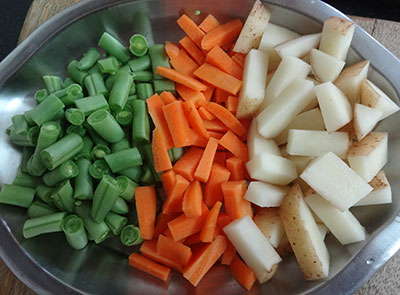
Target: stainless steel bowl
{"x":49,"y":266}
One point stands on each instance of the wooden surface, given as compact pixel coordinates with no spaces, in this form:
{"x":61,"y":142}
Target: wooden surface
{"x":385,"y":281}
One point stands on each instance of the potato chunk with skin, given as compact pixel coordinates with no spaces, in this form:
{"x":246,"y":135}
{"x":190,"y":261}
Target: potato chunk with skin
{"x":365,"y":119}
{"x":264,"y":194}
{"x":324,"y":66}
{"x":382,"y":193}
{"x":269,"y":222}
{"x":257,"y":144}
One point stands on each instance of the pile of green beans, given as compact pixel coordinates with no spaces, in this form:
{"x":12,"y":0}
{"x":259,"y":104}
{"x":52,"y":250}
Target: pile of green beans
{"x":86,"y":145}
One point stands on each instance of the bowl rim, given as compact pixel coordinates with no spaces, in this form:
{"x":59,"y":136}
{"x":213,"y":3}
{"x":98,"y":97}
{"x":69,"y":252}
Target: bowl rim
{"x":378,"y":250}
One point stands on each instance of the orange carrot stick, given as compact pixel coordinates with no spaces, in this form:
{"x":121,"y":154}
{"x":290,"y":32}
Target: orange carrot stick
{"x":204,"y":260}
{"x":226,"y":118}
{"x":209,"y":92}
{"x":210,"y":224}
{"x":192,"y":200}
{"x":194,"y":119}
{"x":220,"y":158}
{"x":233,"y":144}
{"x":187,"y":164}
{"x":203,"y":170}
{"x":229,"y":254}
{"x":235,"y":205}
{"x":162,"y":161}
{"x":171,"y":49}
{"x":192,"y":240}
{"x":219,"y":58}
{"x":215,"y":125}
{"x":213,"y":192}
{"x":205,"y":115}
{"x":167,"y":97}
{"x":149,"y":250}
{"x":175,"y":251}
{"x":242,"y":273}
{"x":188,"y":94}
{"x":192,"y":50}
{"x":168,"y":180}
{"x":236,"y":166}
{"x":144,"y":264}
{"x":199,"y":141}
{"x":177,"y":77}
{"x":223,"y":220}
{"x":145,"y":198}
{"x":216,"y":135}
{"x":183,"y":63}
{"x":222,"y":35}
{"x":209,"y":23}
{"x":162,"y":223}
{"x":232,"y":104}
{"x":191,"y":29}
{"x":239,"y":58}
{"x":213,"y":76}
{"x":220,"y":95}
{"x":173,"y":203}
{"x":177,"y":124}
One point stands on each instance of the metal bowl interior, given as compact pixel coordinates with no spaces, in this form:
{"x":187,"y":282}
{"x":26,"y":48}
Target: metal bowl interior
{"x":49,"y":266}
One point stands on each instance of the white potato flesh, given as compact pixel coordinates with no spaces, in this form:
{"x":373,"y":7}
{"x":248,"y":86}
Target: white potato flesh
{"x":301,"y":162}
{"x":365,"y":119}
{"x":309,"y":120}
{"x":368,"y":156}
{"x":351,"y":78}
{"x":298,"y":47}
{"x":337,"y":34}
{"x":264,"y":194}
{"x":374,"y":97}
{"x":254,"y":81}
{"x":343,"y":225}
{"x":335,"y":107}
{"x":257,"y":144}
{"x":314,"y":143}
{"x":253,"y":28}
{"x":323,"y":230}
{"x":272,"y":169}
{"x":313,"y":104}
{"x":330,"y":177}
{"x":325,"y":67}
{"x":252,"y":246}
{"x":278,"y":115}
{"x":382,"y":193}
{"x":270,"y":224}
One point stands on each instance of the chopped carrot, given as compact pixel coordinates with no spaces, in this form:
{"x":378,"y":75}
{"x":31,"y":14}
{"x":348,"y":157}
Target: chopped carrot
{"x":209,"y":92}
{"x":171,"y":49}
{"x":215,"y":125}
{"x":194,"y":119}
{"x":183,"y":63}
{"x":228,"y":47}
{"x":235,"y":205}
{"x":239,"y":58}
{"x":173,"y":203}
{"x":167,"y":97}
{"x":205,"y":115}
{"x":210,"y":224}
{"x":242,"y":273}
{"x":199,"y":141}
{"x":177,"y":124}
{"x":204,"y":260}
{"x":187,"y":164}
{"x":192,"y":50}
{"x":222,"y":35}
{"x":220,"y":95}
{"x":191,"y":29}
{"x":236,"y":166}
{"x":162,"y":161}
{"x":168,"y":180}
{"x":162,"y":223}
{"x":175,"y":251}
{"x":194,"y":239}
{"x":168,"y":234}
{"x":229,"y":254}
{"x":213,"y":192}
{"x":226,"y":118}
{"x":203,"y":170}
{"x":188,"y":94}
{"x":177,"y":77}
{"x":219,"y":58}
{"x":211,"y":75}
{"x":233,"y":144}
{"x":209,"y":23}
{"x":192,"y":200}
{"x":232,"y":104}
{"x":216,"y":135}
{"x":220,"y":158}
{"x":155,"y":105}
{"x":149,"y":249}
{"x":223,"y":220}
{"x":149,"y":266}
{"x":145,"y":198}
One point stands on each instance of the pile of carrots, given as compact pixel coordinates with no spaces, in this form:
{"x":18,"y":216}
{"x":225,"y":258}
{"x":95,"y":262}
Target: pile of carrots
{"x":205,"y":187}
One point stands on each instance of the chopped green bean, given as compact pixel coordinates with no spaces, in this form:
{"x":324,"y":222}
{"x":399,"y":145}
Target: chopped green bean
{"x":43,"y":224}
{"x":132,"y":90}
{"x":130,"y":236}
{"x":123,"y":144}
{"x":134,"y":173}
{"x":124,"y":159}
{"x":140,"y":122}
{"x":75,"y":73}
{"x":75,"y":116}
{"x":44,"y":193}
{"x":108,"y":65}
{"x":115,"y":222}
{"x":27,"y":153}
{"x":65,"y":171}
{"x":127,"y":187}
{"x":59,"y":116}
{"x":83,"y":181}
{"x":178,"y":153}
{"x":97,"y":232}
{"x":53,"y":83}
{"x":109,"y":82}
{"x":106,"y":126}
{"x":144,"y":90}
{"x":40,"y":95}
{"x":90,"y":104}
{"x":63,"y":196}
{"x":68,"y":81}
{"x":97,"y":139}
{"x":140,"y":64}
{"x":27,"y":139}
{"x":20,"y":125}
{"x":16,"y":195}
{"x":27,"y":180}
{"x":94,"y":84}
{"x":98,"y":169}
{"x":114,"y":47}
{"x":100,"y":151}
{"x":46,"y":110}
{"x":138,"y":45}
{"x":131,"y":98}
{"x":163,"y":85}
{"x":158,"y":58}
{"x":80,"y":130}
{"x":89,"y":59}
{"x":104,"y":198}
{"x":95,"y":70}
{"x":196,"y":12}
{"x":120,"y":91}
{"x":124,"y":118}
{"x":143,"y":76}
{"x":39,"y":208}
{"x":146,"y":151}
{"x":74,"y":231}
{"x":120,"y":206}
{"x":147,"y":176}
{"x":69,"y":94}
{"x":86,"y":150}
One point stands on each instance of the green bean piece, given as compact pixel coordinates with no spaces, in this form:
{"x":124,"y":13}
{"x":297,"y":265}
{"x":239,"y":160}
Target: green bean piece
{"x":132,"y":90}
{"x":124,"y":118}
{"x":171,"y":155}
{"x":147,"y":176}
{"x":83,"y":189}
{"x":143,"y":76}
{"x":163,"y":85}
{"x":97,"y":232}
{"x":20,"y":125}
{"x":80,"y":130}
{"x":86,"y":150}
{"x":44,"y":193}
{"x":158,"y":58}
{"x":61,"y":151}
{"x":127,"y":187}
{"x":109,"y":82}
{"x":90,"y":104}
{"x":144,"y":90}
{"x":42,"y":225}
{"x":89,"y":59}
{"x":75,"y":116}
{"x":140,"y":64}
{"x":108,"y":65}
{"x":120,"y":91}
{"x":16,"y":195}
{"x":26,"y":139}
{"x":196,"y":12}
{"x":69,"y":94}
{"x":95,"y":70}
{"x":130,"y":236}
{"x":98,"y":169}
{"x":104,"y":197}
{"x":75,"y":73}
{"x":123,"y":144}
{"x":140,"y":122}
{"x":115,"y":222}
{"x":114,"y":47}
{"x":124,"y":159}
{"x":39,"y":208}
{"x":147,"y":152}
{"x":134,"y":173}
{"x":125,"y":68}
{"x":74,"y":231}
{"x":100,"y":151}
{"x":138,"y":45}
{"x":97,"y":139}
{"x":120,"y":206}
{"x":131,"y":98}
{"x":27,"y":153}
{"x":94,"y":84}
{"x":53,"y":83}
{"x":106,"y":126}
{"x":68,"y":81}
{"x":8,"y":130}
{"x":40,"y":95}
{"x":63,"y":196}
{"x":65,"y":171}
{"x":45,"y":111}
{"x":178,"y":153}
{"x":58,"y":117}
{"x":26,"y":180}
